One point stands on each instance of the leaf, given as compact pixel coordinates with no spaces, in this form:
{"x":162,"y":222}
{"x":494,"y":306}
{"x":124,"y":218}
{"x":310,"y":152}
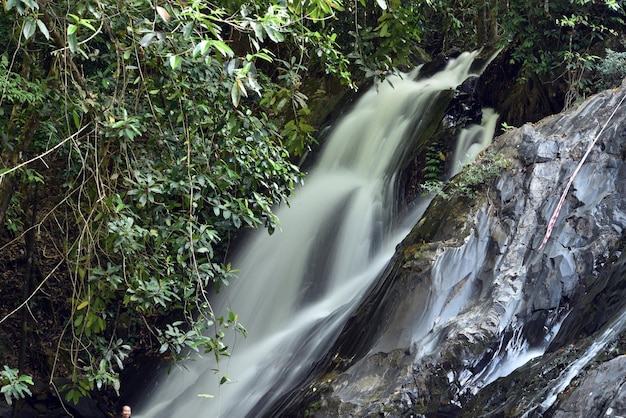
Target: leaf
{"x":147,"y":39}
{"x":384,"y":29}
{"x":76,"y":119}
{"x":71,"y":29}
{"x":254,"y":85}
{"x":82,"y":305}
{"x":29,"y":28}
{"x":31,"y":3}
{"x":223,"y":48}
{"x":274,"y":35}
{"x":87,"y":24}
{"x":200,"y":48}
{"x":382,"y":4}
{"x":174,"y":61}
{"x":163,"y":13}
{"x":231,"y":66}
{"x":235,"y":95}
{"x":9,"y":4}
{"x":188,"y":30}
{"x":43,"y":29}
{"x":73,"y":42}
{"x":119,"y":362}
{"x":246,"y":68}
{"x":263,"y":56}
{"x":241,"y":87}
{"x":258,"y":30}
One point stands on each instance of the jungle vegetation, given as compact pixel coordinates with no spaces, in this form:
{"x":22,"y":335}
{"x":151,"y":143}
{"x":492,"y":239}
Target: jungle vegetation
{"x":139,"y":138}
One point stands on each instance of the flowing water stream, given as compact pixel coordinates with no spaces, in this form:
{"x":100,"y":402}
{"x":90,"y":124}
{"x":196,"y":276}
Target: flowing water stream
{"x":615,"y":328}
{"x":298,"y":286}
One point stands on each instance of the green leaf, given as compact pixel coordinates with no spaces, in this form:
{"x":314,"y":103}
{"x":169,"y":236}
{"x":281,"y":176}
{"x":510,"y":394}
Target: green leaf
{"x":235,"y":95}
{"x":384,"y":29}
{"x":274,"y":35}
{"x":223,"y":48}
{"x":87,"y":24}
{"x":76,"y":119}
{"x":31,"y":3}
{"x":71,"y":29}
{"x":174,"y":61}
{"x":29,"y":28}
{"x":43,"y":29}
{"x":200,"y":48}
{"x":73,"y":42}
{"x":263,"y":56}
{"x":10,"y":4}
{"x":188,"y":30}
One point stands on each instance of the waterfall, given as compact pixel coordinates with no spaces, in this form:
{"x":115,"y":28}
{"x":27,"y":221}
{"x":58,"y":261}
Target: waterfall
{"x":473,"y":140}
{"x":298,"y":286}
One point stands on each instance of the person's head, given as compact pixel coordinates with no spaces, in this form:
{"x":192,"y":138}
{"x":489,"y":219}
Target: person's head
{"x":126,"y":411}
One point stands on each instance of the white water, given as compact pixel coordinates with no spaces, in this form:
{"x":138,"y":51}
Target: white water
{"x":473,"y":140}
{"x":297,"y":287}
{"x":572,"y":370}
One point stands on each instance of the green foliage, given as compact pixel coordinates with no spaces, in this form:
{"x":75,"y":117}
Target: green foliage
{"x":14,"y":384}
{"x":168,"y":129}
{"x":555,"y":38}
{"x":13,"y":220}
{"x":15,"y":89}
{"x":611,"y":70}
{"x":506,"y":127}
{"x":434,"y":165}
{"x":99,"y":374}
{"x":473,"y":176}
{"x":384,"y":38}
{"x":552,"y":42}
{"x":453,"y":24}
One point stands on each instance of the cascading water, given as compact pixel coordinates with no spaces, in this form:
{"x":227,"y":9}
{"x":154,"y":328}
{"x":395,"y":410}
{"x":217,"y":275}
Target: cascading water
{"x":297,"y":287}
{"x":473,"y":140}
{"x":572,"y":370}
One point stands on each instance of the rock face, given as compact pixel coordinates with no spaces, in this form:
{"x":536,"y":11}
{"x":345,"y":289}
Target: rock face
{"x":602,"y":388}
{"x":470,"y":296}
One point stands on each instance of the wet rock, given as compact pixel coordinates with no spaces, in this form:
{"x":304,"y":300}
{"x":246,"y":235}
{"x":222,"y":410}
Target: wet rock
{"x":471,"y":296}
{"x":535,"y":148}
{"x":464,"y":108}
{"x":603,"y":391}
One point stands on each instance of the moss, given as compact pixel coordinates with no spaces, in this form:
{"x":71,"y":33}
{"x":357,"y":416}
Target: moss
{"x":312,"y":408}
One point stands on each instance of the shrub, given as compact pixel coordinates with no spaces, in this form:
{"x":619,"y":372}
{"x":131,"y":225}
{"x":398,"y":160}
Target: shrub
{"x":469,"y":180}
{"x":611,"y":70}
{"x":14,"y":384}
